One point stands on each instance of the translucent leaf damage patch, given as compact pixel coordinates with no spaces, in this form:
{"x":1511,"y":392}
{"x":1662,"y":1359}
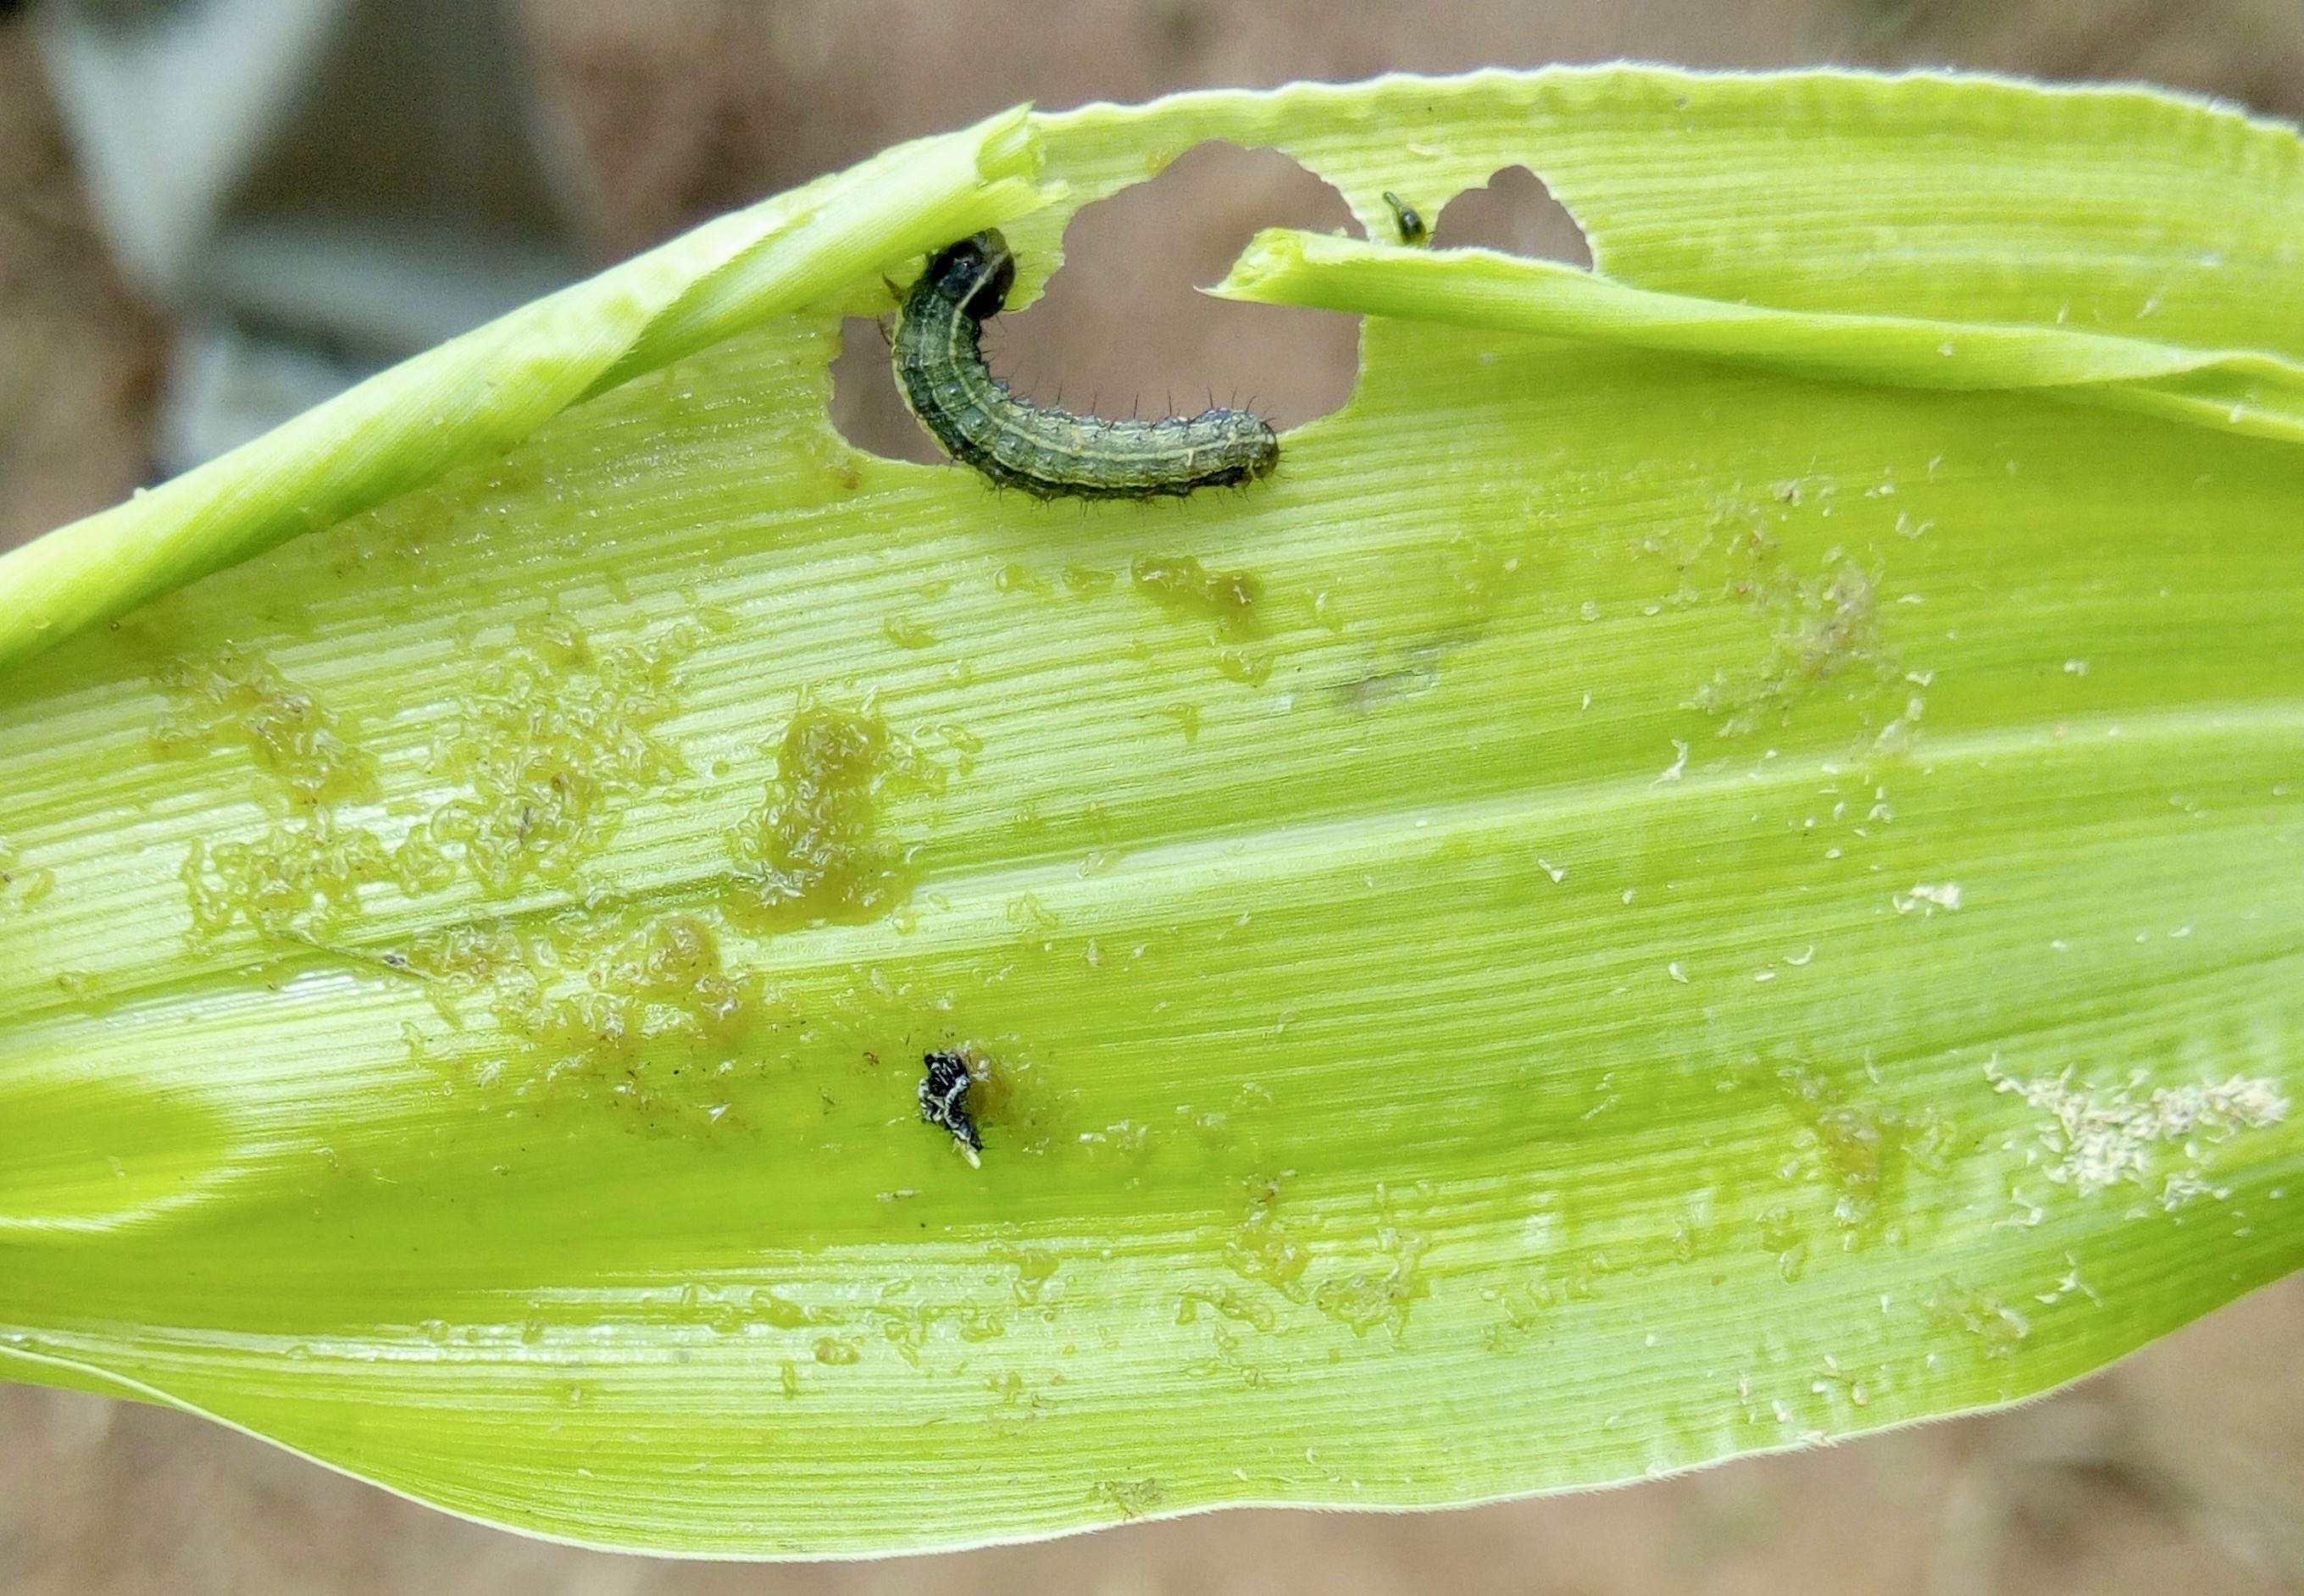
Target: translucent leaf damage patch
{"x":1689,"y":873}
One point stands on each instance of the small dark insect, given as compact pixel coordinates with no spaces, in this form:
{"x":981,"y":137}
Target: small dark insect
{"x":944,"y":1100}
{"x":1408,"y":219}
{"x":1050,"y":453}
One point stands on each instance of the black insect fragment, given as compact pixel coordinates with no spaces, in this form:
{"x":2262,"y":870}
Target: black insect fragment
{"x":1413,"y":229}
{"x":944,"y":1100}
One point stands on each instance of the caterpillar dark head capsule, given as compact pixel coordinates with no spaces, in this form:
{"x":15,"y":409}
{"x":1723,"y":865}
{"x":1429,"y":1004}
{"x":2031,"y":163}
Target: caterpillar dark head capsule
{"x":975,"y":273}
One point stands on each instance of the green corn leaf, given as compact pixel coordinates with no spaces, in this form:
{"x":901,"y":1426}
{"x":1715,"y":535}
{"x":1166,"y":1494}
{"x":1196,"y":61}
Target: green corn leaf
{"x":2241,"y":390}
{"x":1693,"y":874}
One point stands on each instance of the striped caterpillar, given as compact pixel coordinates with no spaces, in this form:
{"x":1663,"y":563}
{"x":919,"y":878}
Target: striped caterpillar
{"x":1050,"y":453}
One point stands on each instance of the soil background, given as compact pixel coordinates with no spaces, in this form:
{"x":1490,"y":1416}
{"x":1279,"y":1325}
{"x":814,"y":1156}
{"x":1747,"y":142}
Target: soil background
{"x":2180,"y":1471}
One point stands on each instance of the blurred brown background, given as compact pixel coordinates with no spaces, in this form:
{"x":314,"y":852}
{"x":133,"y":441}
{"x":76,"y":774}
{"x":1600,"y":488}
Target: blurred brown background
{"x":2181,"y":1471}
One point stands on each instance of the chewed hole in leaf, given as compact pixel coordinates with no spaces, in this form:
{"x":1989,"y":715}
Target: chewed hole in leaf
{"x":1123,"y":328}
{"x":1516,"y":214}
{"x":866,"y":406}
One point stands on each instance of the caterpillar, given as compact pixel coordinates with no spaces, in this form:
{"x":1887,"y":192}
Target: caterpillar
{"x":1050,"y":453}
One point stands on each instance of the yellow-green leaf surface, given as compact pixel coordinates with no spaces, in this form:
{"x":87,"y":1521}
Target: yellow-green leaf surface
{"x":1676,"y":882}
